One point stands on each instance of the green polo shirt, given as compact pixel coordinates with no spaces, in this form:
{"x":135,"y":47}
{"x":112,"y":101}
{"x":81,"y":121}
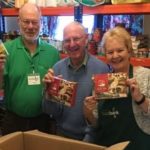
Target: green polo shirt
{"x":20,"y":97}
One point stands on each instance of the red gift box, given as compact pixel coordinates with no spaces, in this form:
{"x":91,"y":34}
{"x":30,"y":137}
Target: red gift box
{"x":62,"y":91}
{"x":110,"y":85}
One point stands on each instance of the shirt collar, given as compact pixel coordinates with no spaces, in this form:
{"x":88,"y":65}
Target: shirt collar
{"x":21,"y":45}
{"x":84,"y":63}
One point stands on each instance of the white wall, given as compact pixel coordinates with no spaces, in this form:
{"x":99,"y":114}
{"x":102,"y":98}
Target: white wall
{"x":11,"y":24}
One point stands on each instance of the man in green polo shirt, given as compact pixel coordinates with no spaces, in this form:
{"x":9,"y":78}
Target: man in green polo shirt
{"x":21,"y":73}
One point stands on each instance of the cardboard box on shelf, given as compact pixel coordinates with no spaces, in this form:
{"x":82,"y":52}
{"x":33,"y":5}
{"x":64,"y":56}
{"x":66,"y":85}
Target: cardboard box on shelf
{"x":128,"y":1}
{"x":36,"y":140}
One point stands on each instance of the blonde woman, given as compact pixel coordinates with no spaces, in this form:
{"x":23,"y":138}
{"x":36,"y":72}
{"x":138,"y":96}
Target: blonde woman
{"x":123,"y":119}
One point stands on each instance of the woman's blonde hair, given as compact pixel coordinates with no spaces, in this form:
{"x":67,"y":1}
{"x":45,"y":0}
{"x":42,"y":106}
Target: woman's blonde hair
{"x":118,"y":33}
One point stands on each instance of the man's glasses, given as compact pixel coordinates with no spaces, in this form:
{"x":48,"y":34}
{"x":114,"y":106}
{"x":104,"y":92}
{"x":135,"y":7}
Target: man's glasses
{"x":74,"y":39}
{"x":26,"y":22}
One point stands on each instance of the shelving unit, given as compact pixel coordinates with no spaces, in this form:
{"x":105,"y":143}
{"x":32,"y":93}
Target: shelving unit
{"x":119,"y":9}
{"x":102,"y":9}
{"x":134,"y":61}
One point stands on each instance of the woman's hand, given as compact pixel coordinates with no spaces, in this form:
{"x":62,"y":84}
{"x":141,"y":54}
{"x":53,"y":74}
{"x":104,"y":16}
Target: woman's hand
{"x":134,"y":89}
{"x":137,"y":96}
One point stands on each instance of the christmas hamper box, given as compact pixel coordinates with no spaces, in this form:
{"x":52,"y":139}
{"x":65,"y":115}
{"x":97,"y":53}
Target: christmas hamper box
{"x":62,"y":91}
{"x":3,"y":48}
{"x":36,"y":140}
{"x":110,"y":85}
{"x":129,"y":1}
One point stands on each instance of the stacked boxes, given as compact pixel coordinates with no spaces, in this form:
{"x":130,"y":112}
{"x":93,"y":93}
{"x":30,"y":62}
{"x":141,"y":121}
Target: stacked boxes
{"x":128,"y":1}
{"x":140,"y":45}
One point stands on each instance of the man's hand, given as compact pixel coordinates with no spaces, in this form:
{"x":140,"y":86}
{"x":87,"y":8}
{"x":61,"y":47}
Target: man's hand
{"x":2,"y":61}
{"x":49,"y":77}
{"x":90,"y":104}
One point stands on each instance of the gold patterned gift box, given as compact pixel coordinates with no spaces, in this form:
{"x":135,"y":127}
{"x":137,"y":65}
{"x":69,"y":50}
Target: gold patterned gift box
{"x":62,"y":91}
{"x":110,"y":85}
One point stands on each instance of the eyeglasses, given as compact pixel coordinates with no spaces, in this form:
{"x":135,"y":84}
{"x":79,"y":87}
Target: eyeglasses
{"x":119,"y":50}
{"x":74,"y":39}
{"x":27,"y":22}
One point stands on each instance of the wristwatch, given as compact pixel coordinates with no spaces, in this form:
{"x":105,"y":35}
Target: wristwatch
{"x":141,"y":101}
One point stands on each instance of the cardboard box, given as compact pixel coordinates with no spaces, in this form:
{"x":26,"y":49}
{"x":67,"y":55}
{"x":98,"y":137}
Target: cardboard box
{"x":35,"y":140}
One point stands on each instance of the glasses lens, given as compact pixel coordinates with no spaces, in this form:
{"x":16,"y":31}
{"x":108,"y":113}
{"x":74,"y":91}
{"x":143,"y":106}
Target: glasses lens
{"x":27,"y":22}
{"x":75,"y":39}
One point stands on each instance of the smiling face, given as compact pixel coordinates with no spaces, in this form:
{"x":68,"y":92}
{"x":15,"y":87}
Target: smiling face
{"x":117,"y":45}
{"x":75,"y":41}
{"x":29,"y":22}
{"x":117,"y":54}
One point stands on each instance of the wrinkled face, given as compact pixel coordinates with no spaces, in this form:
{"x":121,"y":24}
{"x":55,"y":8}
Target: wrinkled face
{"x":29,"y":24}
{"x":75,"y":41}
{"x":117,"y":54}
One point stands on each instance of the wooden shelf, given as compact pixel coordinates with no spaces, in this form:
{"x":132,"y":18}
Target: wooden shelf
{"x":141,"y":62}
{"x":102,"y":9}
{"x":46,"y":11}
{"x":119,"y":9}
{"x":9,"y":11}
{"x":134,"y":61}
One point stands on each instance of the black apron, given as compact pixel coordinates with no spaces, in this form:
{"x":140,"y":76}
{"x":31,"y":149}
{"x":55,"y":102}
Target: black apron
{"x":117,"y":123}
